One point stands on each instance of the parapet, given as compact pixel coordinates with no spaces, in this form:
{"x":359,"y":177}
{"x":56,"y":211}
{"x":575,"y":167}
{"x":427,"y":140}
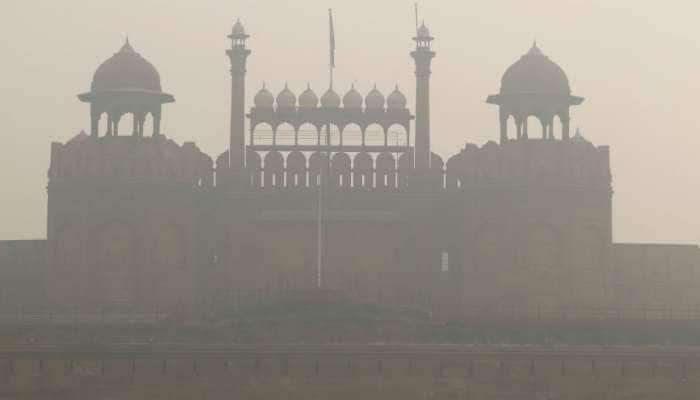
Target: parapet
{"x":531,"y":162}
{"x":129,"y":157}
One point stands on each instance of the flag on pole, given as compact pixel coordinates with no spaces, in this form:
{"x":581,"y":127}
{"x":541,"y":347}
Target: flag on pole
{"x":332,"y":33}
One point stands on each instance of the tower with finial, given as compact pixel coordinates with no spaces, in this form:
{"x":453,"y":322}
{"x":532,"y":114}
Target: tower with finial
{"x":423,"y":56}
{"x":238,"y":54}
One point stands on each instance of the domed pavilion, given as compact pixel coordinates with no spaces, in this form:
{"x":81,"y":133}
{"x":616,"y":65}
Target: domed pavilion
{"x":126,"y":84}
{"x":534,"y":86}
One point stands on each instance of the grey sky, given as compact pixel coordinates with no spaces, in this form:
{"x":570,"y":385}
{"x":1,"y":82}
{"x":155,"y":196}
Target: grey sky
{"x":636,"y":62}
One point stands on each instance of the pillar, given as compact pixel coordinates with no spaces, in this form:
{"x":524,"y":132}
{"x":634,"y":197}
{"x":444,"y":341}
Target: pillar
{"x":135,"y":129}
{"x":544,"y":128}
{"x":524,"y":136}
{"x":116,"y":124}
{"x":503,"y":121}
{"x":156,"y":123}
{"x":94,"y":124}
{"x":565,"y":127}
{"x":110,"y":123}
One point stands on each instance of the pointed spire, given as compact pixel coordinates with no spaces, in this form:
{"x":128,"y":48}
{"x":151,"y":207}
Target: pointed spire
{"x":127,"y":45}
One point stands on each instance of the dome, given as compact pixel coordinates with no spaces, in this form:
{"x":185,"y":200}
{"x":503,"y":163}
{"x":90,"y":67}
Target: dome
{"x":286,"y":99}
{"x":126,"y":70}
{"x":330,"y":99}
{"x":374,"y":100}
{"x":535,"y":73}
{"x":352,"y":99}
{"x":238,"y":29}
{"x":264,"y":99}
{"x":308,"y":98}
{"x":396,"y":100}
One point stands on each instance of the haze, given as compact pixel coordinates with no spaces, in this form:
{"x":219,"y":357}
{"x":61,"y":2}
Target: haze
{"x":636,"y":62}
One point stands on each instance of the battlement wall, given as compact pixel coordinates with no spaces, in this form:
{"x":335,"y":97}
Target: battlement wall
{"x":129,"y":157}
{"x":656,"y":276}
{"x":22,"y":269}
{"x":531,"y":162}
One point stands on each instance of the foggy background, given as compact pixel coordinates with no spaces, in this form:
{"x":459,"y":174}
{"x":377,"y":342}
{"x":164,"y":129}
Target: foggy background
{"x":636,"y":62}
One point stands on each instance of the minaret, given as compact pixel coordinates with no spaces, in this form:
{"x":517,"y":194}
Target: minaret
{"x":423,"y":55}
{"x":238,"y":54}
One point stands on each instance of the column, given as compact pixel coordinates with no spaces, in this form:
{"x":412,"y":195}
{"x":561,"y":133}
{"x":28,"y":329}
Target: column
{"x":565,"y":129}
{"x":135,"y":130}
{"x":94,"y":124}
{"x":156,"y":123}
{"x":503,"y":121}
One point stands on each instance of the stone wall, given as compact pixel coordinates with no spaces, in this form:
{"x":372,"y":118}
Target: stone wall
{"x":371,"y":372}
{"x":22,"y":272}
{"x":656,"y":277}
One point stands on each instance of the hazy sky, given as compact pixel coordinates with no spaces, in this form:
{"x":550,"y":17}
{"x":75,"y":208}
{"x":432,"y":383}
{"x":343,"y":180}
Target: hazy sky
{"x":637,"y":62}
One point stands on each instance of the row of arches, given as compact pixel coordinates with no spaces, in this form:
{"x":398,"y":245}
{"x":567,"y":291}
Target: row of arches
{"x":339,"y":170}
{"x":329,"y":134}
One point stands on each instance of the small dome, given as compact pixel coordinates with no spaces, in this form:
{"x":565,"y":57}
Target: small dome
{"x":330,"y":99}
{"x":238,"y":29}
{"x":286,"y":99}
{"x":423,"y":31}
{"x":308,"y":98}
{"x":374,"y":99}
{"x":535,"y":73}
{"x":352,"y":99}
{"x":126,"y":70}
{"x":264,"y":99}
{"x":396,"y":100}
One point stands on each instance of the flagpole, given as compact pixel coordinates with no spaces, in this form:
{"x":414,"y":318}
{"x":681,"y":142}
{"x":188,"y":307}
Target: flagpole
{"x":321,"y":178}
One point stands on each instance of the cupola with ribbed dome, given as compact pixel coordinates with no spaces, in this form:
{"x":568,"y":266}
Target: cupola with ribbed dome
{"x":286,"y":100}
{"x":330,"y":99}
{"x":264,"y":98}
{"x":308,"y":98}
{"x":375,"y":100}
{"x":534,"y":86}
{"x":352,"y":99}
{"x":126,"y":83}
{"x":396,"y":100}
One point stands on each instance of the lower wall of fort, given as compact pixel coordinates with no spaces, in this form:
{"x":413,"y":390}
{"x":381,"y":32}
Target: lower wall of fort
{"x":374,"y":372}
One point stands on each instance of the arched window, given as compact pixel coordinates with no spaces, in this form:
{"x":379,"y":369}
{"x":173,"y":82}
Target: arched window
{"x":363,"y":171}
{"x":296,"y":170}
{"x":273,"y":170}
{"x":341,"y":171}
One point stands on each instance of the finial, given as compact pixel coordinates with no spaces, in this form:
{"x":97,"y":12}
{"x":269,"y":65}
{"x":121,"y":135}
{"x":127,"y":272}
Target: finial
{"x":308,"y":85}
{"x":285,"y":85}
{"x":396,"y":87}
{"x":375,"y":86}
{"x":534,"y":42}
{"x":127,"y":40}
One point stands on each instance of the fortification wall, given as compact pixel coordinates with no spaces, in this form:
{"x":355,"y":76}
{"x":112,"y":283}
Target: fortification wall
{"x":656,"y":277}
{"x":22,"y":273}
{"x":372,"y":372}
